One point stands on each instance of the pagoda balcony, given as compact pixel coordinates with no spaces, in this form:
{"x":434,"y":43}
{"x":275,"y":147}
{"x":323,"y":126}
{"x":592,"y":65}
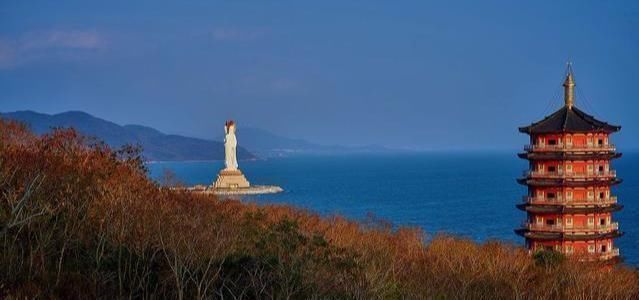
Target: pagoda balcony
{"x":590,"y":257}
{"x":569,"y":209}
{"x":556,"y":155}
{"x":569,"y":181}
{"x":551,"y":201}
{"x":613,"y":253}
{"x":570,"y":147}
{"x":570,"y":175}
{"x":568,"y":235}
{"x":570,"y":228}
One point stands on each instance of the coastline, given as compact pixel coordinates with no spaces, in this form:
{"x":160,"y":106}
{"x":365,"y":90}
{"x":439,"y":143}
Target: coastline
{"x":193,"y":161}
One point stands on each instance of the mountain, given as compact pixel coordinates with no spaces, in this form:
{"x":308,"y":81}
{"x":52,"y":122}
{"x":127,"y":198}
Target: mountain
{"x":268,"y":144}
{"x":156,"y":145}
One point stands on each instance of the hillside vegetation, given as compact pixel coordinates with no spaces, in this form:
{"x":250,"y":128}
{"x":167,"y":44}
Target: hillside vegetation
{"x":81,"y":220}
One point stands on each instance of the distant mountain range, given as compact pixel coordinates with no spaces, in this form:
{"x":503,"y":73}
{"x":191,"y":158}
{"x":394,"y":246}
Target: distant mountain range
{"x":159,"y":146}
{"x":267,"y":144}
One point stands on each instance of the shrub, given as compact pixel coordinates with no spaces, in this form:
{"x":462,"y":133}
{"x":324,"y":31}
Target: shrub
{"x":548,"y":258}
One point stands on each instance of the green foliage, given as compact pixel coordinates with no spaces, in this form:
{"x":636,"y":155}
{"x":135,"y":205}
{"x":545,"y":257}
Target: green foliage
{"x":548,"y":258}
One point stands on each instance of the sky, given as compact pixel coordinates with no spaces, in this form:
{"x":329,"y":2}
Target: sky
{"x":404,"y":74}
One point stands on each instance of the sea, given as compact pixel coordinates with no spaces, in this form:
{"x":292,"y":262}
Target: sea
{"x":468,"y":194}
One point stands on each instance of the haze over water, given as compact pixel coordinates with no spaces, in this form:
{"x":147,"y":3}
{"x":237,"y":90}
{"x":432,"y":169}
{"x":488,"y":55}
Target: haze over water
{"x":468,"y":194}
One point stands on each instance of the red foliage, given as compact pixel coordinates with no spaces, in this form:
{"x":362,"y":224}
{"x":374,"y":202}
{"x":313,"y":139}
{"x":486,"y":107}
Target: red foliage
{"x":81,"y":220}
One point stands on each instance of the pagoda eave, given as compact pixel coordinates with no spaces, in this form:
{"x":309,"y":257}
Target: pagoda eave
{"x":549,"y":209}
{"x":527,"y":130}
{"x":566,"y":236}
{"x":568,"y":155}
{"x":548,"y":182}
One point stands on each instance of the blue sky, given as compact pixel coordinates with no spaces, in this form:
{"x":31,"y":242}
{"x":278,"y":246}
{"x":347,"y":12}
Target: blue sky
{"x":410,"y":74}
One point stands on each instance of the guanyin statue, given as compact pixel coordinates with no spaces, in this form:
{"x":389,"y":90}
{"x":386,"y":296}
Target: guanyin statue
{"x":230,"y":146}
{"x":230,"y":180}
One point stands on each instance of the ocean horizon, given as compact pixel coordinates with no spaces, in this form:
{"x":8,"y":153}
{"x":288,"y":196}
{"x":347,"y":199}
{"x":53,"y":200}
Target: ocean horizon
{"x":469,"y":194}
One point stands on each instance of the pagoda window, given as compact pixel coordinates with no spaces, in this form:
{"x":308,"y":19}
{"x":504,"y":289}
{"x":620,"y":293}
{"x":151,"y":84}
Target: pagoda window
{"x":591,"y":221}
{"x":591,"y":248}
{"x":604,"y":248}
{"x":550,"y":222}
{"x":552,"y":142}
{"x":551,"y":195}
{"x":569,"y":222}
{"x":569,"y":249}
{"x":600,"y":142}
{"x":602,"y":195}
{"x":602,"y":221}
{"x":552,"y":169}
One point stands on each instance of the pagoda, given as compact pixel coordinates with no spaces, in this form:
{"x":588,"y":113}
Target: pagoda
{"x":569,"y":204}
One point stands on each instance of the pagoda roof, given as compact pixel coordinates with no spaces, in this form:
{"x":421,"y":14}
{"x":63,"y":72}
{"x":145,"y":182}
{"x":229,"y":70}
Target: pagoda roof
{"x":569,"y":119}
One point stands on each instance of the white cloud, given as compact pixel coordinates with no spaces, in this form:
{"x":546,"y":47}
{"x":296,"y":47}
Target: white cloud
{"x":75,"y":39}
{"x":36,"y":45}
{"x":235,"y":34}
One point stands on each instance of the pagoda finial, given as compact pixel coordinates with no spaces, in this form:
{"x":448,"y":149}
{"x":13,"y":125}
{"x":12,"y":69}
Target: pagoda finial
{"x":569,"y":88}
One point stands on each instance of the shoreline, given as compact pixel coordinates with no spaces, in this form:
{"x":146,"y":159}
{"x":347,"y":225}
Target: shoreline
{"x":251,"y":190}
{"x":192,"y":161}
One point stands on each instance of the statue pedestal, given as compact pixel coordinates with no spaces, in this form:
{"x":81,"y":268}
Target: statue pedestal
{"x":231,"y":179}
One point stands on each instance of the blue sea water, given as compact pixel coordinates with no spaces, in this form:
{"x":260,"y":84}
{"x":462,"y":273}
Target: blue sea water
{"x":466,"y":194}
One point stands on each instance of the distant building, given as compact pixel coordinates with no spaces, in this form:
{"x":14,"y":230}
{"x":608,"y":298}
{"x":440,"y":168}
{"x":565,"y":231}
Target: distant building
{"x":569,"y":205}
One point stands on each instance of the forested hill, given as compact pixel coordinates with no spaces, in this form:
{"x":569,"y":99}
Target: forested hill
{"x":157,"y":145}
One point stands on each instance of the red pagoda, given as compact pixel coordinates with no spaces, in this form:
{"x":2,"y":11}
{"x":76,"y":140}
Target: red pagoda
{"x":569,"y":204}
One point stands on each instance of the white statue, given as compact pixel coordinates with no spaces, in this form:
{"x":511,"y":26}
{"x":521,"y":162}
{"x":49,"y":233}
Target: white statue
{"x":230,"y":146}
